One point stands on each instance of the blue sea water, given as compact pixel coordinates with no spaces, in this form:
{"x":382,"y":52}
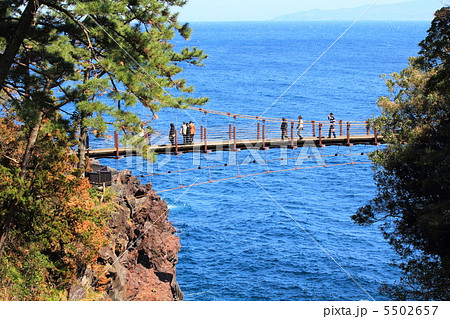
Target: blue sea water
{"x":286,"y":235}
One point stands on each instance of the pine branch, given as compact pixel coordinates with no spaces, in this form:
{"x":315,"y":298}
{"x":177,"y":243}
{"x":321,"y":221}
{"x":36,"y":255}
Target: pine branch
{"x":74,"y":19}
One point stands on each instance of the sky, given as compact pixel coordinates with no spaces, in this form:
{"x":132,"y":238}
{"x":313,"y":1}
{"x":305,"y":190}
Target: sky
{"x":259,"y":10}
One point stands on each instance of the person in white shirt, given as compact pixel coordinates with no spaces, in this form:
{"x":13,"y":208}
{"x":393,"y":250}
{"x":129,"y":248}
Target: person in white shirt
{"x":300,"y":127}
{"x":183,"y":132}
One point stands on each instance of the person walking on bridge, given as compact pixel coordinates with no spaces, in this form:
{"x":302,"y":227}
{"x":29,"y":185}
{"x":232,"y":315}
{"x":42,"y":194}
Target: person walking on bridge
{"x":284,"y":129}
{"x":332,"y":123}
{"x":300,"y":127}
{"x":172,"y":134}
{"x":191,"y":137}
{"x":183,"y":132}
{"x":188,"y":134}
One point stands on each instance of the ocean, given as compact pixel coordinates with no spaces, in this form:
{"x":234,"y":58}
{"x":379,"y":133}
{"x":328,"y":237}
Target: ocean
{"x":285,"y":235}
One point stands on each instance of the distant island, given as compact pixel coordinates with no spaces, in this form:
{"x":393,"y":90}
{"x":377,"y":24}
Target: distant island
{"x":419,"y":10}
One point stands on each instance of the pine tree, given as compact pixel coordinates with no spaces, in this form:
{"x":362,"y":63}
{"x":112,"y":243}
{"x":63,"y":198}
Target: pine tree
{"x":116,"y":49}
{"x":413,"y":180}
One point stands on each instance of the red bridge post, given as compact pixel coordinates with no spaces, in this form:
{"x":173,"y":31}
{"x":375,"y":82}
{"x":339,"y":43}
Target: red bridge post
{"x":313,"y":128}
{"x":264,"y":134}
{"x":257,"y":130}
{"x":116,"y":143}
{"x":292,"y":134}
{"x":205,"y":139}
{"x":320,"y":134}
{"x":340,"y":128}
{"x":234,"y":137}
{"x":348,"y":133}
{"x":176,"y":142}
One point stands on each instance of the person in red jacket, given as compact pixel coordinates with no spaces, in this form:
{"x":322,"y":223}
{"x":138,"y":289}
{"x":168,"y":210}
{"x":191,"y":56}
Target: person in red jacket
{"x":191,"y":137}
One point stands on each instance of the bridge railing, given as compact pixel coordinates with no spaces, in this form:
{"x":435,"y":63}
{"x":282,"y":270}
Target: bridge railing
{"x":272,"y":130}
{"x":260,"y":131}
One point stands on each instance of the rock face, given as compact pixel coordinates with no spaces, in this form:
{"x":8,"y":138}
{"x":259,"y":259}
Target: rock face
{"x":138,"y":263}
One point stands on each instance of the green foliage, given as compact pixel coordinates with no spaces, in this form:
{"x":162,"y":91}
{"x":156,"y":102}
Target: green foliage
{"x":57,"y":222}
{"x":103,"y":56}
{"x":28,"y":279}
{"x":413,"y":180}
{"x":131,"y":41}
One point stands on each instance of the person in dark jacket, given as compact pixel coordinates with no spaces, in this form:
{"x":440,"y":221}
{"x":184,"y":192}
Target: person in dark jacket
{"x":332,"y":123}
{"x":284,"y":129}
{"x":172,"y":134}
{"x":188,"y":134}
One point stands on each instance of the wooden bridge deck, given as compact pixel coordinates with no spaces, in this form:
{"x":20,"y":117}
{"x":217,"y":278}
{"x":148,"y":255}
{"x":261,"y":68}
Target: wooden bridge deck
{"x":232,"y":145}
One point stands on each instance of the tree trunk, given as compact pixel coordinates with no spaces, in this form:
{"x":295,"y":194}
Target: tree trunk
{"x":6,"y":60}
{"x":24,"y":166}
{"x":13,"y":46}
{"x":83,"y":132}
{"x":82,"y":147}
{"x":30,"y":146}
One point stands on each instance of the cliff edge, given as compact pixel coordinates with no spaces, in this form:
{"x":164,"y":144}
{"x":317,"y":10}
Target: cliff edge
{"x":140,"y":257}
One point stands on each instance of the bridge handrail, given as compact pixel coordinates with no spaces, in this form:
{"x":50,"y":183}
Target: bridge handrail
{"x":272,"y":130}
{"x":252,"y":117}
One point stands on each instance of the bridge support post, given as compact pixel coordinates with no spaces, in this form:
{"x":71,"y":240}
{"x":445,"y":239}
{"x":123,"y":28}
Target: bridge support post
{"x":116,"y":144}
{"x":340,"y":128}
{"x":320,"y":134}
{"x":313,"y":128}
{"x":229,"y":131}
{"x":367,"y":128}
{"x":234,"y":138}
{"x":176,"y":142}
{"x":292,"y":134}
{"x":205,"y":139}
{"x":201,"y":133}
{"x":264,"y":134}
{"x":348,"y":134}
{"x":375,"y":135}
{"x":257,"y":130}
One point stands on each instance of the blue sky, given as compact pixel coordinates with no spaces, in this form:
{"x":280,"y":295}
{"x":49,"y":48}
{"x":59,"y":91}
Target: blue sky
{"x":256,"y":10}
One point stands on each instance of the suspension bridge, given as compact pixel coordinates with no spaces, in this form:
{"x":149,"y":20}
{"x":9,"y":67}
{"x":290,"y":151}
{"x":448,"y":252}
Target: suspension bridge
{"x":256,"y":134}
{"x":263,"y":133}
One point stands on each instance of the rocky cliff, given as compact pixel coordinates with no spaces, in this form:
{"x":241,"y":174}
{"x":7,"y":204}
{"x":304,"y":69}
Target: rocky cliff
{"x":138,"y":262}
